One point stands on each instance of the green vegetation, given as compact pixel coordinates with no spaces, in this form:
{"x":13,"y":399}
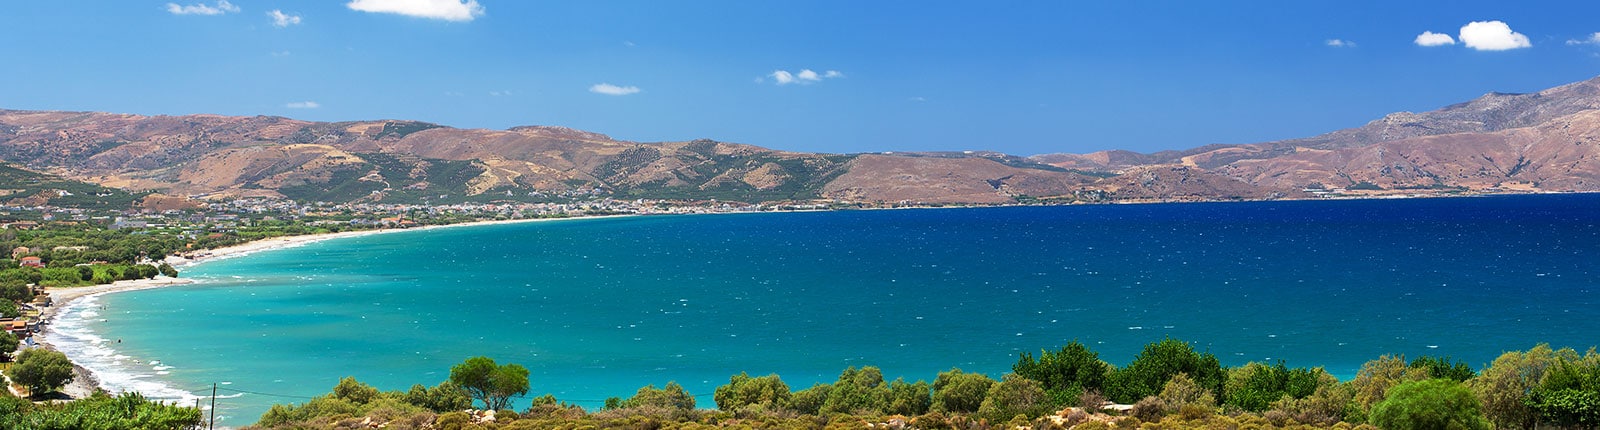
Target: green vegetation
{"x":490,"y":383}
{"x":1428,"y":405}
{"x":41,"y":370}
{"x":29,"y":188}
{"x":1540,"y":387}
{"x":98,"y":412}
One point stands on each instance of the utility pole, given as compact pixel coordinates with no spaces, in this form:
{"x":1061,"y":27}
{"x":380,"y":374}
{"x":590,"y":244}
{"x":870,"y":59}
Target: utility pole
{"x":213,"y":425}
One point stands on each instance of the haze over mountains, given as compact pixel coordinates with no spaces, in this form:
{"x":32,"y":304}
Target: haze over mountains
{"x":1544,"y":141}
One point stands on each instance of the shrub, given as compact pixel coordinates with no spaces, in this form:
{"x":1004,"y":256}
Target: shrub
{"x":1444,"y":368}
{"x":743,"y":390}
{"x":1065,"y":374}
{"x":1430,"y":404}
{"x":958,"y":392}
{"x":1157,"y":363}
{"x":1014,"y":396}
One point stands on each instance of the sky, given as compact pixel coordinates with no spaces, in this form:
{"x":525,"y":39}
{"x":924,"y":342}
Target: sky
{"x":1021,"y":77}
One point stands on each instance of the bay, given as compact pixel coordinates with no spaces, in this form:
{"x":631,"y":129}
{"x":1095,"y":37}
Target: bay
{"x":597,"y":308}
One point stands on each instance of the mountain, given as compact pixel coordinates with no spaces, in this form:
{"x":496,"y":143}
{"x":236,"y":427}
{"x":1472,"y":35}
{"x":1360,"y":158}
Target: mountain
{"x":213,"y":156}
{"x":1544,"y":141}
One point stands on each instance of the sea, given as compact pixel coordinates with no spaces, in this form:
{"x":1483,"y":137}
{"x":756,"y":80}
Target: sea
{"x":598,"y":308}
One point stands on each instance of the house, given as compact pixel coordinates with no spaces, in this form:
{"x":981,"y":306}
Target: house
{"x":23,"y":225}
{"x":31,"y":261}
{"x":19,"y":252}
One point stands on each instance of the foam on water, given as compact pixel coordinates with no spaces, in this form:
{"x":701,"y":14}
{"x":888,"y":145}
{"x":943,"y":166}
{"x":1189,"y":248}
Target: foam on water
{"x":71,"y":333}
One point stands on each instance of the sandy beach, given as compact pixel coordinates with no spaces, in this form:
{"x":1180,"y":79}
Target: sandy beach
{"x":86,"y":384}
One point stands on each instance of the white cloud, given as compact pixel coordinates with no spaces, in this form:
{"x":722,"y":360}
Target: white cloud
{"x":280,"y":53}
{"x":804,"y":76}
{"x":1593,"y":39}
{"x":221,"y":7}
{"x":1340,"y":43}
{"x":448,"y":10}
{"x":280,"y":19}
{"x":502,"y":93}
{"x":613,"y":90}
{"x":1428,"y":38}
{"x":303,"y":105}
{"x":782,"y":77}
{"x":1492,"y":36}
{"x":918,"y":99}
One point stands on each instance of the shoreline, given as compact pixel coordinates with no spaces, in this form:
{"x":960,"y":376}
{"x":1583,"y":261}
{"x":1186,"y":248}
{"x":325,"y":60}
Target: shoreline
{"x":85,"y":383}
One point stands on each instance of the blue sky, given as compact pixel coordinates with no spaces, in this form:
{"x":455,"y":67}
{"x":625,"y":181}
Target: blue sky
{"x":1023,"y":77}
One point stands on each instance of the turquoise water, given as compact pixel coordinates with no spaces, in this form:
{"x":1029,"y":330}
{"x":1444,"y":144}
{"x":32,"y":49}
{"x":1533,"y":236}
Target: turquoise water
{"x":599,"y":307}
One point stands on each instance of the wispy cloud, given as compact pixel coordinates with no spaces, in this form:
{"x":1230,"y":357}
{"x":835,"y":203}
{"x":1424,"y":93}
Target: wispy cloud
{"x":501,"y":93}
{"x":1428,"y":38}
{"x":613,"y":90}
{"x":303,"y":105}
{"x":448,"y":10}
{"x":1492,"y":36}
{"x":281,"y":20}
{"x":1340,"y":43}
{"x":218,"y":8}
{"x":1593,"y":39}
{"x":804,"y":76}
{"x":280,"y":53}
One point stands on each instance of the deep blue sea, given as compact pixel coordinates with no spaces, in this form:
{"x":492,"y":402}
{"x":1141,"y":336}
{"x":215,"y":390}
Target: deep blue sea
{"x":600,"y":307}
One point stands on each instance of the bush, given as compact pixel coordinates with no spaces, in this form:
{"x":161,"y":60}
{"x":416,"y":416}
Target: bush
{"x":1014,"y":396}
{"x":1157,"y":363}
{"x":1065,"y":374}
{"x":1570,"y":393}
{"x":857,"y":391}
{"x":743,"y":390}
{"x":958,"y":392}
{"x":1505,"y":384}
{"x":1427,"y":405}
{"x":1444,"y":368}
{"x":1254,"y":386}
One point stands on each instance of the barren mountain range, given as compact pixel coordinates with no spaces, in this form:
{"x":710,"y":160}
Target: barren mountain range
{"x":1544,"y":141}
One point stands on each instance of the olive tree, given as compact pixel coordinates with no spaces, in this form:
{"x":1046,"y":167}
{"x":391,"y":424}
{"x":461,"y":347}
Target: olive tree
{"x":490,"y":383}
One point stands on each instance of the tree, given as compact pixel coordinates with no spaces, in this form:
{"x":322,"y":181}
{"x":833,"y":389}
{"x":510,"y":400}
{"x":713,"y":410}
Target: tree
{"x":1013,"y":396}
{"x":1375,"y":379}
{"x":809,"y":401}
{"x":1569,"y":396}
{"x":354,"y":391}
{"x":857,"y":391}
{"x":8,"y":344}
{"x":85,"y":273}
{"x":16,"y":291}
{"x":41,"y":370}
{"x":1157,"y":363}
{"x":9,"y":309}
{"x":490,"y":383}
{"x":1065,"y":374}
{"x":743,"y":390}
{"x":1428,"y":405}
{"x":1444,"y":368}
{"x":958,"y":392}
{"x":445,"y":397}
{"x":1254,"y":386}
{"x":1506,"y":383}
{"x":168,"y":271}
{"x":672,"y":396}
{"x":909,"y":399}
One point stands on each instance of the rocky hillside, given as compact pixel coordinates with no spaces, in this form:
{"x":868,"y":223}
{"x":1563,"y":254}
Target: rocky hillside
{"x":1544,"y":141}
{"x":211,"y":156}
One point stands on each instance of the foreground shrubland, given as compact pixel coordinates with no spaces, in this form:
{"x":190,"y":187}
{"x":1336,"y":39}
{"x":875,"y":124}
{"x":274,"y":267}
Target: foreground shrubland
{"x":1168,"y":385}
